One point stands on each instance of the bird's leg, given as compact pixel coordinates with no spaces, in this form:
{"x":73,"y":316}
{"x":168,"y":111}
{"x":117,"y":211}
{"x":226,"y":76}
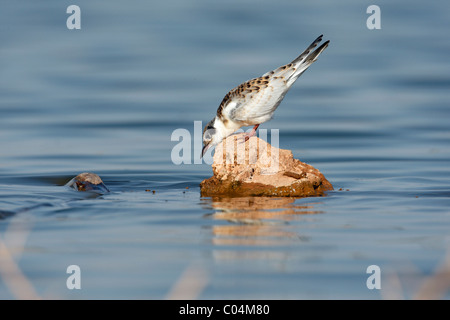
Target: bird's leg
{"x":251,"y":134}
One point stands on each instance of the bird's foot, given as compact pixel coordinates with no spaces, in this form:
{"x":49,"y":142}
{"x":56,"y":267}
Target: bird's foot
{"x":252,"y":133}
{"x":246,"y":137}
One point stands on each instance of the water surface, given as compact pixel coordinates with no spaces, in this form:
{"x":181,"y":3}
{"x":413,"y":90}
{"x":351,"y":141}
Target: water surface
{"x":372,"y":114}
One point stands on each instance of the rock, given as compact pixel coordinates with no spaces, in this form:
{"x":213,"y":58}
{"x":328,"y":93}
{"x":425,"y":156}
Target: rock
{"x":255,"y":168}
{"x":88,"y":181}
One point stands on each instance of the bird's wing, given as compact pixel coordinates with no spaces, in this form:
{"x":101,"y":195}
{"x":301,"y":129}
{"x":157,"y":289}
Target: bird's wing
{"x":258,"y":98}
{"x":253,"y":99}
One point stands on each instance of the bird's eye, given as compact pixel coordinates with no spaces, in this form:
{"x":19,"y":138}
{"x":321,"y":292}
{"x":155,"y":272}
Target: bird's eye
{"x":208,"y":133}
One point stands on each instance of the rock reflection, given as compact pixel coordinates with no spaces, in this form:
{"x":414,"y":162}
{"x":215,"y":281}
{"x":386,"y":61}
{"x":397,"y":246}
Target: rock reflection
{"x":258,"y":221}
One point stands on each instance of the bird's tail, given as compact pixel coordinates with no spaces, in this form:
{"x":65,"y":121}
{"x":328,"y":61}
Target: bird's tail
{"x":299,"y":65}
{"x":303,"y":61}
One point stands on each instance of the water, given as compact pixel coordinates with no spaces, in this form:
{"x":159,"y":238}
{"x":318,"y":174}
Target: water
{"x":372,"y":114}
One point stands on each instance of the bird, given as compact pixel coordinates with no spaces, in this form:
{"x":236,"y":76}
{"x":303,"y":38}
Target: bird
{"x":254,"y":101}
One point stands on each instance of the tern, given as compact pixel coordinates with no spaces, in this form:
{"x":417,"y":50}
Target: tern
{"x":254,"y":101}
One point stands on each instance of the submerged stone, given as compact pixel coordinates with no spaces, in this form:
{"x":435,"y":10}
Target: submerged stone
{"x":88,"y":181}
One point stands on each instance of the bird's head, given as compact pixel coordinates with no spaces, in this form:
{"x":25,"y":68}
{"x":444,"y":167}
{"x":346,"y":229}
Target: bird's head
{"x":211,"y":136}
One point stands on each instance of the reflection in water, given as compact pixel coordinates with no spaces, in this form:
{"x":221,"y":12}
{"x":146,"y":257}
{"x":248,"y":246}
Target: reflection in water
{"x":258,"y":221}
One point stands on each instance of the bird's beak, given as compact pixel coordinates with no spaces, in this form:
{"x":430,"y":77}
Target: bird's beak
{"x":205,"y":148}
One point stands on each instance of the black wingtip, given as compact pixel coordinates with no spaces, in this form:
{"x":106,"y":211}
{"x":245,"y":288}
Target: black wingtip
{"x":322,"y":47}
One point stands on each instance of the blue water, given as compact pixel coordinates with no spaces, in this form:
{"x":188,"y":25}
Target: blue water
{"x":372,"y":114}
